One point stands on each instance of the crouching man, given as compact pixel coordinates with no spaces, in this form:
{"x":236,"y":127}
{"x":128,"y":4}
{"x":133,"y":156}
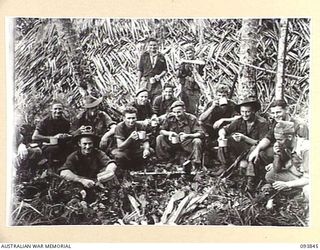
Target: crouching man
{"x":290,"y":167}
{"x":133,"y":147}
{"x":180,"y":130}
{"x":88,"y":165}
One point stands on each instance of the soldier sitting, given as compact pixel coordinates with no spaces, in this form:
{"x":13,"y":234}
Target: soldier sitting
{"x":180,"y":130}
{"x":53,"y":133}
{"x":88,"y":165}
{"x":242,"y":134}
{"x":132,"y":143}
{"x":290,"y":167}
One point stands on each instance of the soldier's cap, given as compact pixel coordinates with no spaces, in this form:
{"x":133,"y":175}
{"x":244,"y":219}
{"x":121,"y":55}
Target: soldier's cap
{"x":139,"y":91}
{"x":177,"y":104}
{"x":282,"y":129}
{"x":252,"y":101}
{"x":90,"y":101}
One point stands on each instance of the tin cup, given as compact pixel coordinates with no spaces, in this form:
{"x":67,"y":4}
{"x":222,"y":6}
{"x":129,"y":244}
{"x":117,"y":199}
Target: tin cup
{"x":222,"y":143}
{"x":154,"y":123}
{"x":175,"y":139}
{"x":142,"y":135}
{"x":53,"y":140}
{"x":223,"y":101}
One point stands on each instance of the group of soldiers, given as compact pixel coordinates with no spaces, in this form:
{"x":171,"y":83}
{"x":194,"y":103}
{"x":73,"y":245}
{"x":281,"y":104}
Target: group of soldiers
{"x":159,"y":124}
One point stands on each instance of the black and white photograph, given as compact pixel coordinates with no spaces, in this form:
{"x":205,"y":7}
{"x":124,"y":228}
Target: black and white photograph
{"x":159,"y":121}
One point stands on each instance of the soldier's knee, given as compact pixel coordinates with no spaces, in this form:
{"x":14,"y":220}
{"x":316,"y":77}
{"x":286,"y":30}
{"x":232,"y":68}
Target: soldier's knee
{"x":160,"y":138}
{"x":269,"y":177}
{"x":197,"y":141}
{"x":305,"y":191}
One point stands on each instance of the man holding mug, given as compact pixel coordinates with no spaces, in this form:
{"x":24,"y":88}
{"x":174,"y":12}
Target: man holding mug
{"x":132,"y":143}
{"x":290,"y":167}
{"x":180,"y":131}
{"x":53,"y":133}
{"x":218,"y":112}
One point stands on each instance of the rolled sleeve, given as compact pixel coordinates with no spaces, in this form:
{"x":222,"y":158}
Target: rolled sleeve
{"x":104,"y":160}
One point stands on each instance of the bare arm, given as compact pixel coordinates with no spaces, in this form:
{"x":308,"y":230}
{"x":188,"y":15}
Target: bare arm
{"x":123,"y":144}
{"x":204,"y":116}
{"x":166,"y":133}
{"x":69,"y":175}
{"x":109,"y":133}
{"x":262,"y":145}
{"x":249,"y":140}
{"x":37,"y":136}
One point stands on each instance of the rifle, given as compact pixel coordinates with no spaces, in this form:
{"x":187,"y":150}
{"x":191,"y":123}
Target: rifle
{"x":230,"y":169}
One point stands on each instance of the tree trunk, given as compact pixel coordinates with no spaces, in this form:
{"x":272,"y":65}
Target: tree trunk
{"x":70,"y":44}
{"x":247,"y":56}
{"x":282,"y":45}
{"x":201,"y":34}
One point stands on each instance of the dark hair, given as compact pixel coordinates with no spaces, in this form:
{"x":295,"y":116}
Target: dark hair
{"x":129,"y":110}
{"x":152,"y":39}
{"x":168,"y":85}
{"x":280,"y":103}
{"x":223,"y":89}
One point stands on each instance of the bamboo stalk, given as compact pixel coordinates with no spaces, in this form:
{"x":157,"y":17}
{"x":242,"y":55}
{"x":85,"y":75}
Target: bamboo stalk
{"x":281,"y":58}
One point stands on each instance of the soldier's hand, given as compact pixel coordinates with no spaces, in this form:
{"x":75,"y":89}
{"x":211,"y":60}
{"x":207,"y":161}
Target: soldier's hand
{"x":172,"y":134}
{"x":87,"y":183}
{"x":280,"y":185}
{"x":215,"y":103}
{"x":269,"y":167}
{"x":134,"y":135}
{"x":183,"y":136}
{"x":276,"y":148}
{"x":253,"y":156}
{"x":237,"y":137}
{"x":157,"y":77}
{"x":146,"y":153}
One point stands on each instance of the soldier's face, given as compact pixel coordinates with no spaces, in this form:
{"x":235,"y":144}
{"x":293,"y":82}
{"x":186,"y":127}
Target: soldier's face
{"x":168,"y":93}
{"x":285,"y":141}
{"x":130,"y":119}
{"x":86,"y":145}
{"x":246,"y":113}
{"x":56,"y":111}
{"x":153,"y":47}
{"x":142,"y":98}
{"x":221,"y":95}
{"x":278,"y":113}
{"x":190,"y":54}
{"x":178,"y":112}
